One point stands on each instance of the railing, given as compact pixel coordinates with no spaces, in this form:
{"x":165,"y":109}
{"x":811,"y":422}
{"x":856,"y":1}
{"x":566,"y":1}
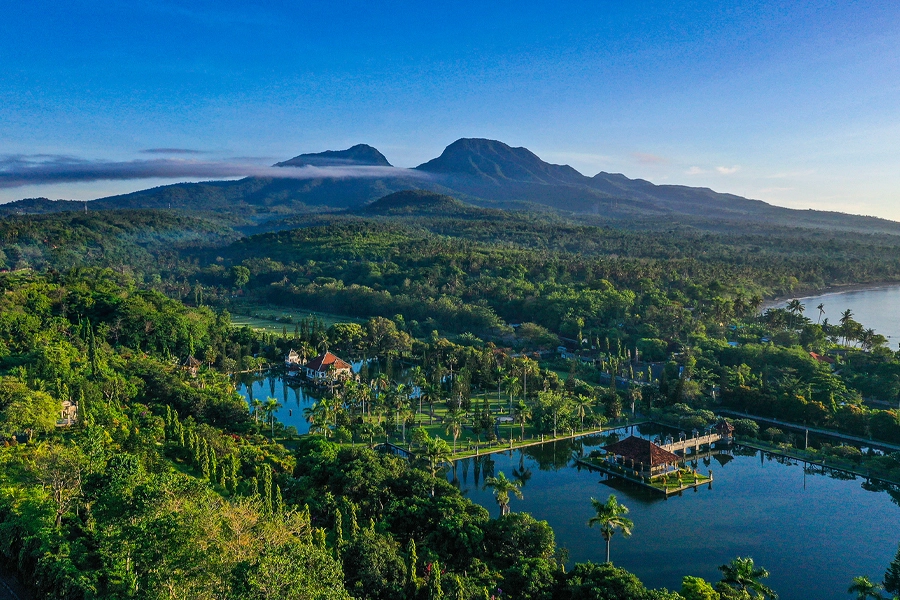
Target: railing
{"x":692,"y":442}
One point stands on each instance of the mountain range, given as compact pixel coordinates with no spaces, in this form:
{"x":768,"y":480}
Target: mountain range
{"x":484,"y":172}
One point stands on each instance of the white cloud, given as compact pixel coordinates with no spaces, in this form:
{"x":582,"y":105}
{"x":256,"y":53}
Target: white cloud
{"x":645,"y":158}
{"x":19,"y":171}
{"x":728,"y":170}
{"x":695,"y":171}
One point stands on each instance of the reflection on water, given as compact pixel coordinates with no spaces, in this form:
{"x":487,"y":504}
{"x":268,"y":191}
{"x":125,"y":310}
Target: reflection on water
{"x":292,"y":397}
{"x":813,"y":528}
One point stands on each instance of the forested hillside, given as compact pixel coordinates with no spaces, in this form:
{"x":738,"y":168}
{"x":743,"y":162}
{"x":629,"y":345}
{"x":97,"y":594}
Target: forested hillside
{"x":481,"y":171}
{"x":169,"y":485}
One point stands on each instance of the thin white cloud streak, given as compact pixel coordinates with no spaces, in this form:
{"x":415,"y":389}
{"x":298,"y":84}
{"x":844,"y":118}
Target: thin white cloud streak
{"x":695,"y":171}
{"x":18,"y":171}
{"x":728,"y":170}
{"x":645,"y":158}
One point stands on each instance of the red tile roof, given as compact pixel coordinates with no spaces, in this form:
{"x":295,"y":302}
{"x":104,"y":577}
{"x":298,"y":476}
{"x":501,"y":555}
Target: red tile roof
{"x":324,"y":361}
{"x":642,"y":451}
{"x":820,"y":358}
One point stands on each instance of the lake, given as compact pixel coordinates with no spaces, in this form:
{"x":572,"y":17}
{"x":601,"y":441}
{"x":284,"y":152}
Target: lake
{"x":875,"y":308}
{"x":813,"y":532}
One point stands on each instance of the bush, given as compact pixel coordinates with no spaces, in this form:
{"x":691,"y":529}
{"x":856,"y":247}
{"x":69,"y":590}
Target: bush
{"x":843,"y":452}
{"x":772,"y":434}
{"x":746,"y":427}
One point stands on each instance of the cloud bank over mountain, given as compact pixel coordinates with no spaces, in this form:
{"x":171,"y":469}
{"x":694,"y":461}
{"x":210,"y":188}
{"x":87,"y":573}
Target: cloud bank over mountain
{"x":22,"y":170}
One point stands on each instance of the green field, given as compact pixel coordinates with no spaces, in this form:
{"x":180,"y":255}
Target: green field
{"x":263,"y":317}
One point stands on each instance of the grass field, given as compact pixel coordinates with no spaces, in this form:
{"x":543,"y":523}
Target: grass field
{"x":263,"y":317}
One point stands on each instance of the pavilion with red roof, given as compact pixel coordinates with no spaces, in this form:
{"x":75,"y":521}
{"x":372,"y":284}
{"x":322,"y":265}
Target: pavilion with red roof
{"x":643,"y":456}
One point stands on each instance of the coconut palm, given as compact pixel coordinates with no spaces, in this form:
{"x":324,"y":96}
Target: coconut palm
{"x":821,"y":309}
{"x":522,"y":416}
{"x":436,"y":451}
{"x":257,"y":405}
{"x":405,"y":415}
{"x":512,"y":387}
{"x":755,"y":302}
{"x":847,"y":323}
{"x":271,"y":407}
{"x":453,"y":424}
{"x":430,"y":393}
{"x":796,"y":308}
{"x":583,"y":405}
{"x":503,"y":487}
{"x":742,"y":575}
{"x":610,"y":516}
{"x":864,"y":589}
{"x":416,"y":377}
{"x":318,"y":418}
{"x":369,"y":430}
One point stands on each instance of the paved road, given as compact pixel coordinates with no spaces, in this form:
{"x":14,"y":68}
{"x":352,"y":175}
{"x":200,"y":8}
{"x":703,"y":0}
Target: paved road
{"x":797,"y":426}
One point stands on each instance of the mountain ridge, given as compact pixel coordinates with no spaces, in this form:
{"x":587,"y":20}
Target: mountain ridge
{"x":358,"y":155}
{"x":477,"y":171}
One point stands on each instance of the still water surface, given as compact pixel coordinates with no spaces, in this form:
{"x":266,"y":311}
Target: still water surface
{"x":877,"y":308}
{"x":292,"y":396}
{"x":813,"y":532}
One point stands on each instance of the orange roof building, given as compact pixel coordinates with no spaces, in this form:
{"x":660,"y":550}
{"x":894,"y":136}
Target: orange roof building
{"x":326,"y":364}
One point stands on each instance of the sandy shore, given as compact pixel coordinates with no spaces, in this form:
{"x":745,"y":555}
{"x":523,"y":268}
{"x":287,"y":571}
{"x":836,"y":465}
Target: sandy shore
{"x":828,"y":291}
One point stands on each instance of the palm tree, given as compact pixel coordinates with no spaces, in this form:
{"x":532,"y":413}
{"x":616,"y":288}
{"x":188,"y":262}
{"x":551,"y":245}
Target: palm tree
{"x":317,"y":416}
{"x":271,"y":407}
{"x":583,"y":406}
{"x":821,"y":309}
{"x":742,"y":575}
{"x":511,"y":384}
{"x":436,"y":452}
{"x":795,"y":307}
{"x":522,"y":416}
{"x":610,"y":516}
{"x":453,"y":424}
{"x":864,"y":588}
{"x":430,"y":393}
{"x":416,"y":378}
{"x":846,"y":325}
{"x":405,"y":415}
{"x":369,"y":430}
{"x":257,"y":405}
{"x":503,"y":487}
{"x":755,"y":302}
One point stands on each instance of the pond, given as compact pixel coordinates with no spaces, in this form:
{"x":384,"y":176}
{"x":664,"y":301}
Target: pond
{"x":292,"y":396}
{"x":812,"y":531}
{"x":875,"y":308}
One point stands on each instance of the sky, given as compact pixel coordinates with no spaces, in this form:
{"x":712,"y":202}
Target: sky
{"x":794,"y":103}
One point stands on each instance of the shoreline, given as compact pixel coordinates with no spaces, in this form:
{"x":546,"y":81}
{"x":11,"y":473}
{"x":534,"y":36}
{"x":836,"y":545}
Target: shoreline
{"x":831,"y":290}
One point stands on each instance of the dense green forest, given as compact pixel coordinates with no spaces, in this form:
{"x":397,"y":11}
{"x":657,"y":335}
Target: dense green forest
{"x":168,"y":486}
{"x":168,"y":489}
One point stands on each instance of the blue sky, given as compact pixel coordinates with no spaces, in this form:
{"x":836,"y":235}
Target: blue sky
{"x":790,"y":102}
